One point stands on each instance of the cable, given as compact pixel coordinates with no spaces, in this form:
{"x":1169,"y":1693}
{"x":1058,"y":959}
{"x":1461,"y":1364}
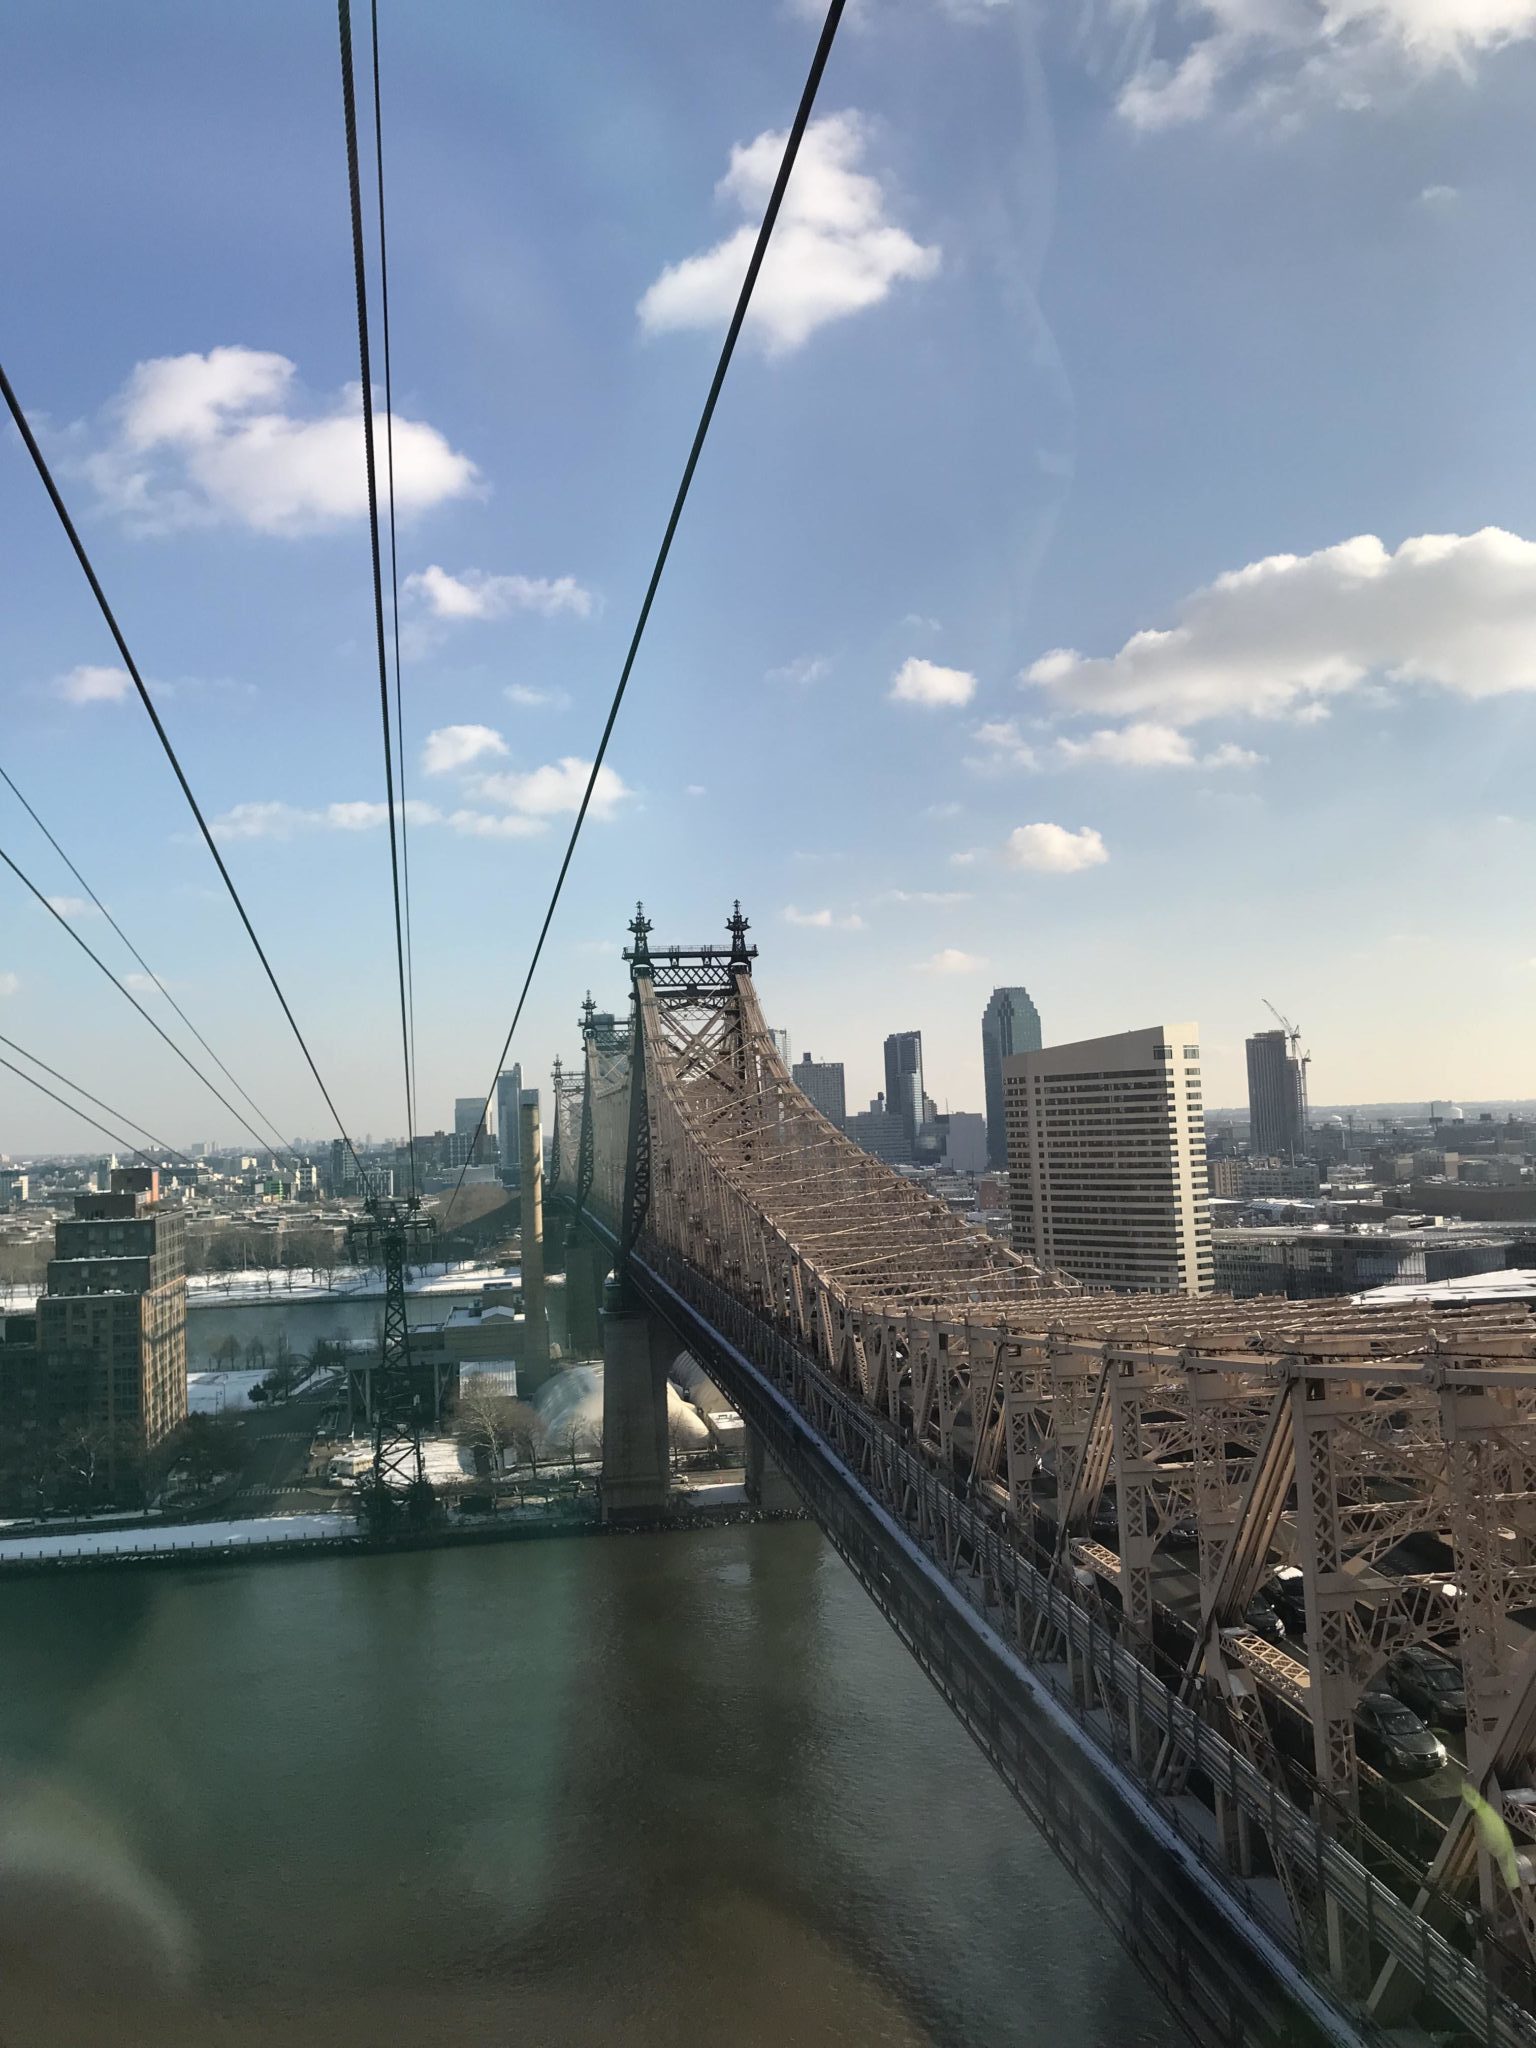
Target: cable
{"x":394,"y":572}
{"x":360,"y":278}
{"x":24,"y":428}
{"x":760,"y":250}
{"x":283,"y":1145}
{"x":159,"y":1143}
{"x":128,"y":996}
{"x":116,"y":1136}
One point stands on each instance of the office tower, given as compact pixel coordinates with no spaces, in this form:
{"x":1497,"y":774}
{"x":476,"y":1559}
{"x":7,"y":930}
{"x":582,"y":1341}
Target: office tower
{"x":466,"y":1114}
{"x":781,"y":1040}
{"x":1010,"y":1023}
{"x":1277,"y":1098}
{"x":904,"y":1080}
{"x":822,"y":1082}
{"x":509,"y":1095}
{"x":1106,"y":1160}
{"x":879,"y":1133}
{"x":112,"y":1323}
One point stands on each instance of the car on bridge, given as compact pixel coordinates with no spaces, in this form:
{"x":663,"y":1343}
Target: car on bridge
{"x":1394,"y":1739}
{"x":1433,"y":1684}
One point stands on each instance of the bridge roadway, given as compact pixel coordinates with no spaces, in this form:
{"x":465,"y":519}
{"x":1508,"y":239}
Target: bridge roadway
{"x":1026,"y":1669}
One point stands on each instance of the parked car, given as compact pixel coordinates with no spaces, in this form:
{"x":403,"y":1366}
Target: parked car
{"x":1432,"y":1684}
{"x":1286,"y":1593}
{"x":1394,"y":1739}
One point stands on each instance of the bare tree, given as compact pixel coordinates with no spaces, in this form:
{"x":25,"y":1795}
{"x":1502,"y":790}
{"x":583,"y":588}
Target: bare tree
{"x":226,"y":1351}
{"x":486,"y":1417}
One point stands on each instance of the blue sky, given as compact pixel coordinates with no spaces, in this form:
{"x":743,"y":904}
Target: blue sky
{"x":1209,"y":327}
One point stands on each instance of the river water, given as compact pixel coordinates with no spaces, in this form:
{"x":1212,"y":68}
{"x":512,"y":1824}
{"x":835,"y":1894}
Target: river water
{"x":656,"y":1789}
{"x":337,"y":1318}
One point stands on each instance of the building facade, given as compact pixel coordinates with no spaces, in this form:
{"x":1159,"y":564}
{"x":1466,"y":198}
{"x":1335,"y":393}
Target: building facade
{"x":904,"y":1082}
{"x":882,"y":1135}
{"x":112,"y":1323}
{"x":1269,"y":1180}
{"x":1106,"y":1160}
{"x":1277,"y":1099}
{"x":821,"y":1081}
{"x":1009,"y":1024}
{"x":509,"y":1093}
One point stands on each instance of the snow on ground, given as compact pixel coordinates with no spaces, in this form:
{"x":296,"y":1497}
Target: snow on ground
{"x":443,"y":1461}
{"x":221,"y":1393}
{"x":332,"y":1528}
{"x":250,"y":1284}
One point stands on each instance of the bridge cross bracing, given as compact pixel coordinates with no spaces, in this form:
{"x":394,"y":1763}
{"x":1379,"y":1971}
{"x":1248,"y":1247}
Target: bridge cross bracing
{"x":1325,"y":1434}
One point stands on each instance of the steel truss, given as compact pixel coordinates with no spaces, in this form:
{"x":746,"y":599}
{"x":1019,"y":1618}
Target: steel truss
{"x":1328,"y":1434}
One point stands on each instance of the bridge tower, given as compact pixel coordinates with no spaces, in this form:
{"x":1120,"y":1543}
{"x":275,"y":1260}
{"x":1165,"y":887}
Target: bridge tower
{"x":399,"y":1398}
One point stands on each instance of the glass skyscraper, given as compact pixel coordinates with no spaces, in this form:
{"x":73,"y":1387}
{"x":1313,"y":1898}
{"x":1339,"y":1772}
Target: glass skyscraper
{"x":1010,"y":1023}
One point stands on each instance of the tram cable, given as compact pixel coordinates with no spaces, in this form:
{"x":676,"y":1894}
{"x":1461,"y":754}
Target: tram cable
{"x":160,"y":1145}
{"x":360,"y":280}
{"x":281,"y":1144}
{"x":728,"y":349}
{"x":40,"y":464}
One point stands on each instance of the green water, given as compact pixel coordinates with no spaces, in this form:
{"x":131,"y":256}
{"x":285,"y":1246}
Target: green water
{"x":654,"y":1789}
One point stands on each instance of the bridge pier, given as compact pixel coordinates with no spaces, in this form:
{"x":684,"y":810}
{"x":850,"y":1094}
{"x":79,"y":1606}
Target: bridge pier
{"x":586,"y":1267}
{"x":767,"y":1488}
{"x":636,"y":1353}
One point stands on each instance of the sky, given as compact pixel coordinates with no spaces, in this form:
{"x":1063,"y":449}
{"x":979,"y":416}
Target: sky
{"x":1112,"y":568}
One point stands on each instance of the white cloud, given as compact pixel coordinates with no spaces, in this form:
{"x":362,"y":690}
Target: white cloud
{"x":72,"y":906}
{"x":823,"y":920}
{"x":489,"y":825}
{"x":921,"y":623}
{"x":1277,"y":56}
{"x":476,"y":595}
{"x":944,"y":810}
{"x":805,"y":669}
{"x":204,"y":440}
{"x":833,"y":252}
{"x":924,"y":682}
{"x":950,"y":960}
{"x":1145,"y":745}
{"x":1053,"y":850}
{"x":696,"y":789}
{"x":927,"y":896}
{"x":1282,"y":636}
{"x":1439,"y":197}
{"x":534,"y":700}
{"x":1006,"y":747}
{"x":89,"y":685}
{"x":9,"y":983}
{"x":455,"y":746}
{"x":547,"y":791}
{"x":275,"y":820}
{"x":967,"y":857}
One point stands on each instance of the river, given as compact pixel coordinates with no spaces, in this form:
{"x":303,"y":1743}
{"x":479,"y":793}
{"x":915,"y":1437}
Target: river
{"x":652,"y":1789}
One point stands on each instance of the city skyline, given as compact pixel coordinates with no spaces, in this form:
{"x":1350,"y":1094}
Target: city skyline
{"x":1138,"y":688}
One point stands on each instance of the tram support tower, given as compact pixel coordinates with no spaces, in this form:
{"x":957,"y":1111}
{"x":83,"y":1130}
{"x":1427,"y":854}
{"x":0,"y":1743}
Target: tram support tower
{"x":391,"y":1233}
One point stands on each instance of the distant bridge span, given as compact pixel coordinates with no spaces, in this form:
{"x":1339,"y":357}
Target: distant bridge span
{"x":915,"y":1379}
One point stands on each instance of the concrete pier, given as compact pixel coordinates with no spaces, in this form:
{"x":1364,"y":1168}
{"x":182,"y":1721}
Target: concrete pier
{"x":636,"y":1353}
{"x":535,"y":1359}
{"x":767,"y":1488}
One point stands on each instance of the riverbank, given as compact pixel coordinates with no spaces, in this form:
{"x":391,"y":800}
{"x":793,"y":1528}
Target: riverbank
{"x":274,"y":1538}
{"x":252,"y":1286}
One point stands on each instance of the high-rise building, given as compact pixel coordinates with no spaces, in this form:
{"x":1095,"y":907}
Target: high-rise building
{"x":509,"y":1091}
{"x":876,"y":1131}
{"x":1106,"y":1160}
{"x":1277,"y":1098}
{"x":466,"y":1114}
{"x":822,"y":1082}
{"x":781,"y":1040}
{"x":112,"y":1323}
{"x":904,"y":1081}
{"x":1010,"y":1023}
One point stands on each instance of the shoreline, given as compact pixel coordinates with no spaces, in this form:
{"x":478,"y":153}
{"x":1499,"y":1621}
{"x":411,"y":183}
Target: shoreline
{"x":355,"y":1544}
